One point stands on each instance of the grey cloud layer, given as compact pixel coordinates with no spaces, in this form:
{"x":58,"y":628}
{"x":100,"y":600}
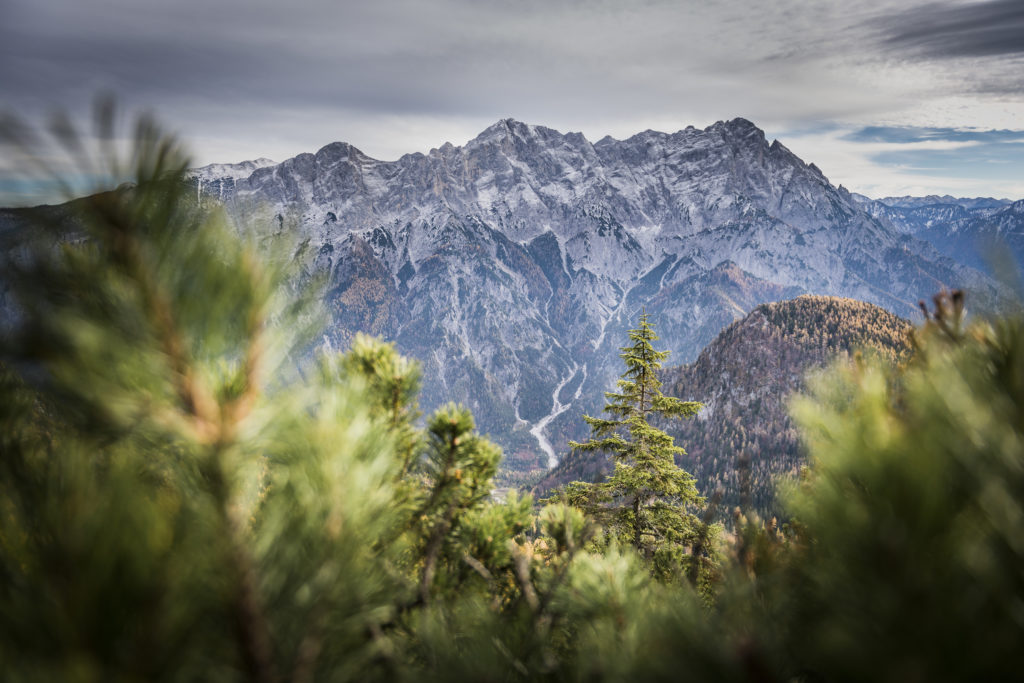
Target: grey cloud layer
{"x":269,"y":78}
{"x":981,"y":29}
{"x":449,"y":56}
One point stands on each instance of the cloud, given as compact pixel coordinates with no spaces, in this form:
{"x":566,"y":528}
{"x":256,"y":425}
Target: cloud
{"x":946,"y":30}
{"x":903,"y":160}
{"x":561,"y":62}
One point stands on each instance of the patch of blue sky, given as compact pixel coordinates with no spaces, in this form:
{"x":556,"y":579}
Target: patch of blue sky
{"x":31,"y":190}
{"x":996,"y":155}
{"x":911,"y":134}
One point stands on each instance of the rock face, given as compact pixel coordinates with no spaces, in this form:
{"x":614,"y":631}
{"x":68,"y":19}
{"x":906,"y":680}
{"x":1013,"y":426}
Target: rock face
{"x":513,"y":266}
{"x":744,"y":378}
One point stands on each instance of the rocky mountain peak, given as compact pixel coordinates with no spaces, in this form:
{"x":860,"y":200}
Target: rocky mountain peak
{"x":242,"y":169}
{"x":738,"y":127}
{"x":341,"y":151}
{"x":510,"y":129}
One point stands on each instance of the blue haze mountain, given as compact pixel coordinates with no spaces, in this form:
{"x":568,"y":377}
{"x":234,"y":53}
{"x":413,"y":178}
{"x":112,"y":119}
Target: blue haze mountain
{"x":968,"y":230}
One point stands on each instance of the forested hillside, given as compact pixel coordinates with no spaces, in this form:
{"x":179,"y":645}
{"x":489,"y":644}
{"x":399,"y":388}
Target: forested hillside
{"x":743,"y":438}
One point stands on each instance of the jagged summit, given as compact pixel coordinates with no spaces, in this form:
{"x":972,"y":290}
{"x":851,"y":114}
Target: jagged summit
{"x":507,"y":130}
{"x":737,"y":125}
{"x":340,"y":150}
{"x":969,"y":230}
{"x":932,"y":200}
{"x":652,"y":179}
{"x":242,"y":169}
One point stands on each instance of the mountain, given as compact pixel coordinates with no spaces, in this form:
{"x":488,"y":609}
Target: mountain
{"x":512,"y":266}
{"x":967,"y":230}
{"x":914,"y":215}
{"x":744,"y":378}
{"x":971,"y":204}
{"x":982,"y":238}
{"x":222,"y":172}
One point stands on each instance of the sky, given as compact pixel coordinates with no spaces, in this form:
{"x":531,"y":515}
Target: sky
{"x":887,"y":97}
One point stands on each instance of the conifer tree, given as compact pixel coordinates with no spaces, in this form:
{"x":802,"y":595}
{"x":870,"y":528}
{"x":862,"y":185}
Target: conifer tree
{"x":647,"y":501}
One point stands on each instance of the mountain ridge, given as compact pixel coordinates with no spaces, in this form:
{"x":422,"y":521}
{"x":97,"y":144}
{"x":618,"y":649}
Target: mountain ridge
{"x":972,"y":231}
{"x":512,"y":266}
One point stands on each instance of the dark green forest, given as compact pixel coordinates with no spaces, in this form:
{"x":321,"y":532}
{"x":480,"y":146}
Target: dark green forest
{"x":184,"y":496}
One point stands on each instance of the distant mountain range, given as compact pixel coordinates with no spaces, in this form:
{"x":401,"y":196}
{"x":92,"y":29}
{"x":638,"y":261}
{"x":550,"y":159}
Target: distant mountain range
{"x":512,"y":266}
{"x":971,"y":231}
{"x":745,"y":378}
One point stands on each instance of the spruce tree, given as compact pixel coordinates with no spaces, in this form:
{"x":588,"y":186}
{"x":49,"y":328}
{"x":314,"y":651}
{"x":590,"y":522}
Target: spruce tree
{"x":647,"y":501}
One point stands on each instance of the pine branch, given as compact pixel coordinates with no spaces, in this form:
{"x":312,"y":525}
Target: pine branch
{"x":197,"y":401}
{"x":252,"y":629}
{"x":433,"y":551}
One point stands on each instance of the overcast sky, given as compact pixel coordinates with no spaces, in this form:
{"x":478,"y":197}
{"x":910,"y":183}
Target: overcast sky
{"x":885,"y":96}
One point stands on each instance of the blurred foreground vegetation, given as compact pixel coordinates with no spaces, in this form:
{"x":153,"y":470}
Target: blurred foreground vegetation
{"x":181,"y":498}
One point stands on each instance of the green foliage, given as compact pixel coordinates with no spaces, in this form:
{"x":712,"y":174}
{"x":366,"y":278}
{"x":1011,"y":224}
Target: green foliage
{"x":457,"y":470}
{"x":177,"y":504}
{"x":392,"y":387}
{"x":914,"y":505}
{"x":645,"y":502}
